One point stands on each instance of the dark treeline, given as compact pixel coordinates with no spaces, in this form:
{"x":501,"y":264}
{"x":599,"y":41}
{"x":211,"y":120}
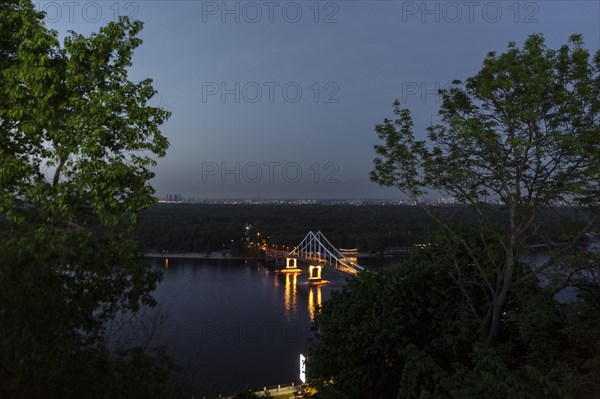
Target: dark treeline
{"x":199,"y":227}
{"x":195,"y":227}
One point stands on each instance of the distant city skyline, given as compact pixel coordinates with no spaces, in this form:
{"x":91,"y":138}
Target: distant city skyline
{"x":279,"y":99}
{"x":178,"y":199}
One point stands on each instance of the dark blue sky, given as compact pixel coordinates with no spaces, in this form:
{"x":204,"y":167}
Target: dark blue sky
{"x":279,"y":99}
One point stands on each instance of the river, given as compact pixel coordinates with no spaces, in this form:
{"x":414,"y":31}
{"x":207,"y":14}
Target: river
{"x":232,"y":324}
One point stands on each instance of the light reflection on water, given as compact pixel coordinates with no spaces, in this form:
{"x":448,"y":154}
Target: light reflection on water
{"x":233,"y":324}
{"x":314,"y":300}
{"x":291,"y":279}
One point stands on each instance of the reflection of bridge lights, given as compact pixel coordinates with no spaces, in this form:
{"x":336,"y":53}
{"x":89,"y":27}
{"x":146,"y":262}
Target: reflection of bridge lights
{"x":314,"y":303}
{"x":290,"y":295}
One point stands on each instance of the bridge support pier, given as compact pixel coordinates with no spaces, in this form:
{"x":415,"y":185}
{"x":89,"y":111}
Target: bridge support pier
{"x":291,"y":266}
{"x":314,"y":275}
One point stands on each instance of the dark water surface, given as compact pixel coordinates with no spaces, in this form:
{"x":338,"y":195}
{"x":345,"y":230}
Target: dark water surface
{"x":233,"y":324}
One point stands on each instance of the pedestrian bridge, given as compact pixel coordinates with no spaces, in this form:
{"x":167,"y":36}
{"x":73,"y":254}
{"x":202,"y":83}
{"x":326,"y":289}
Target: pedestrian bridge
{"x":316,"y":250}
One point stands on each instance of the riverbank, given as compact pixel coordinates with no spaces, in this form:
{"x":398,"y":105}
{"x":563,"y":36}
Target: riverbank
{"x":195,"y":255}
{"x":279,"y":392}
{"x":221,"y":255}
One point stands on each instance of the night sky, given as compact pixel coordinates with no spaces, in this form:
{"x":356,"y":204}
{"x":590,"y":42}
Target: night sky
{"x":278,"y":99}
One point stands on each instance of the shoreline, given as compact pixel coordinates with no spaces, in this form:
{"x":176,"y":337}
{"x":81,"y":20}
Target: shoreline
{"x":195,"y":255}
{"x":220,"y":255}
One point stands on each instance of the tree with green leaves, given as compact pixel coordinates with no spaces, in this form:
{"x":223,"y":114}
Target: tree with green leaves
{"x":525,"y":132}
{"x":77,"y":140}
{"x":411,"y":332}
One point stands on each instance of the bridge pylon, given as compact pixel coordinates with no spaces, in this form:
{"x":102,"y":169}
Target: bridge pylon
{"x":314,"y":275}
{"x":291,"y":265}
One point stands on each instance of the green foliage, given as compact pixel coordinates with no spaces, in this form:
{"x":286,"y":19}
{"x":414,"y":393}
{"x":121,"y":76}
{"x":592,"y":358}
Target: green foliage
{"x":523,"y":132}
{"x":411,"y":332}
{"x":368,"y":334}
{"x":77,"y":138}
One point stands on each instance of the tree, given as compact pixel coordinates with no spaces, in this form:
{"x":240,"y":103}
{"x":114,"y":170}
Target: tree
{"x":524,"y":131}
{"x":410,"y":332}
{"x":77,"y":138}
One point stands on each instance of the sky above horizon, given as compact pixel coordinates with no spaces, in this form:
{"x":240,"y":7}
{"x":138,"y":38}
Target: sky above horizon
{"x":278,"y":99}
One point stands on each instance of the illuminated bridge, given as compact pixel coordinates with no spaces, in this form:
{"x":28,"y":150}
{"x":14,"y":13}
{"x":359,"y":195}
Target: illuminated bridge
{"x":318,"y":252}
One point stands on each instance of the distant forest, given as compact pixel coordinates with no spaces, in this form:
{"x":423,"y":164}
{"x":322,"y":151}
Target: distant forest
{"x":200,"y":228}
